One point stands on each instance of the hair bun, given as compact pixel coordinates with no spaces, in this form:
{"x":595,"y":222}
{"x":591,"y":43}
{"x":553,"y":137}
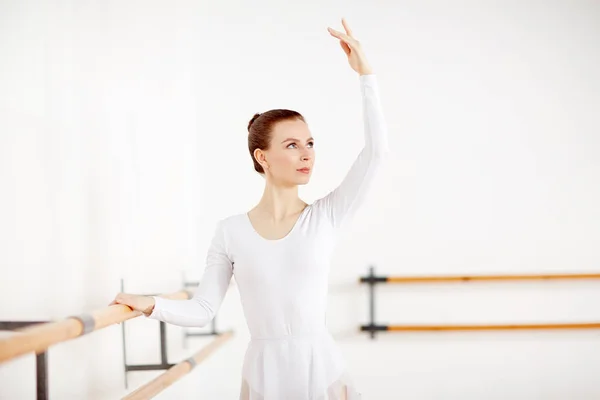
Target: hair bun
{"x":253,"y":119}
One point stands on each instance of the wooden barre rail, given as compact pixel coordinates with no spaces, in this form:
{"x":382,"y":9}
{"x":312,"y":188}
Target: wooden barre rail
{"x":167,"y":378}
{"x":474,"y":278}
{"x":492,"y":327}
{"x":39,"y":337}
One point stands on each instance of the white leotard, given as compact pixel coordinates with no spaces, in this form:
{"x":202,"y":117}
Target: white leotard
{"x":283,"y":283}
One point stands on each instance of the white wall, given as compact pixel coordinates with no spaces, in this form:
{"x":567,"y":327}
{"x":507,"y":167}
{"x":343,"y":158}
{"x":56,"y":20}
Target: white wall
{"x":123,"y":140}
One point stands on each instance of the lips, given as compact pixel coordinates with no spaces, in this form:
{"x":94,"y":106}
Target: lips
{"x":304,"y":170}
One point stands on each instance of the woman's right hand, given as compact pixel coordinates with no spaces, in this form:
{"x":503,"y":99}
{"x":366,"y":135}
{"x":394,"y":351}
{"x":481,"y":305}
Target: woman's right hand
{"x":353,"y":49}
{"x":137,"y":302}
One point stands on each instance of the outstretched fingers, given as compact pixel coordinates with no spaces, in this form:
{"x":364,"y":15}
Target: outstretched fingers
{"x":347,"y":27}
{"x":341,"y":36}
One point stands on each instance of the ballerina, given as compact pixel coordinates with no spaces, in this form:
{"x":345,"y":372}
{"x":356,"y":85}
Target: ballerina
{"x":280,"y":253}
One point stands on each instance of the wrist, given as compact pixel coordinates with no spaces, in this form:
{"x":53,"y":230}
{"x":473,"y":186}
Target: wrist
{"x":150,"y":307}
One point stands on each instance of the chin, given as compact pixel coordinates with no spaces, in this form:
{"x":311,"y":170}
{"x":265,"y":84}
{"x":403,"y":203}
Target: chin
{"x":302,"y":181}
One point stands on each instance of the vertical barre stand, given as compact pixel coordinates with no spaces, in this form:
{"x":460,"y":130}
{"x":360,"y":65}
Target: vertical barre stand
{"x":372,"y":280}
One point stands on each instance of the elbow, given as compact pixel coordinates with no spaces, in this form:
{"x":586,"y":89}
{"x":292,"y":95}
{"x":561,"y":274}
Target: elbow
{"x":376,"y":151}
{"x":205,"y":311}
{"x":206,"y":320}
{"x":197,"y":322}
{"x":380,"y":154}
{"x":200,"y":321}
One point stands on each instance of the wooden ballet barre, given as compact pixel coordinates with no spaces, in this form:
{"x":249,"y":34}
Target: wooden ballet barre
{"x":372,"y":280}
{"x":547,"y":326}
{"x":39,"y":337}
{"x":167,"y":378}
{"x":473,"y":278}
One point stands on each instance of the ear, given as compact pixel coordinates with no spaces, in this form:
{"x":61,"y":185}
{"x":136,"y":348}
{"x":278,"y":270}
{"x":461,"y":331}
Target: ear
{"x":260,"y":157}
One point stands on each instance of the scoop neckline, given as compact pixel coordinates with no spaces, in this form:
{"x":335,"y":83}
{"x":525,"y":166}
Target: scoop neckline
{"x":247,"y":218}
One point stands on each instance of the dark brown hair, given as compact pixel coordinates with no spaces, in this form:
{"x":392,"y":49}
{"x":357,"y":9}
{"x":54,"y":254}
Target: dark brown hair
{"x":260,"y":128}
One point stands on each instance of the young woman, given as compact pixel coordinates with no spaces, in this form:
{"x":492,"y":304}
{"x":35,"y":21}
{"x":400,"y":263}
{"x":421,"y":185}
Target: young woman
{"x":280,"y":251}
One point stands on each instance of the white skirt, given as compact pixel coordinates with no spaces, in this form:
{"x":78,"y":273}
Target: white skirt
{"x":309,"y":367}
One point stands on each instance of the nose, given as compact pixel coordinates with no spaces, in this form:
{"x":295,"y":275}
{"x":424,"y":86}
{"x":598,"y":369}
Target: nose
{"x":306,"y":154}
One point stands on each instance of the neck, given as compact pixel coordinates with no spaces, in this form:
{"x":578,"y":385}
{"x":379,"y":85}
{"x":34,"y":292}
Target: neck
{"x":280,"y":202}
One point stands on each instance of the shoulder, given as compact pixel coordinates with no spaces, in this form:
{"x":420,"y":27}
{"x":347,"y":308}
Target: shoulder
{"x":319,"y":216}
{"x":320,"y":210}
{"x":231,"y":223}
{"x":226,"y":229}
{"x":230,"y":220}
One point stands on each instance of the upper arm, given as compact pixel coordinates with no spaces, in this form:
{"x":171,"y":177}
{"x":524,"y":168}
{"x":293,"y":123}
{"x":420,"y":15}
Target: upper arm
{"x":342,"y":202}
{"x":218,"y":271}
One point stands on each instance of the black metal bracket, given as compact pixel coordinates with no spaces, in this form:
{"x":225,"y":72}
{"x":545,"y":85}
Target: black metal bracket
{"x":372,"y":280}
{"x":41,"y":359}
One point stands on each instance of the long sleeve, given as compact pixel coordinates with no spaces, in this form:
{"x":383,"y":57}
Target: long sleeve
{"x":203,"y":306}
{"x":341,"y":203}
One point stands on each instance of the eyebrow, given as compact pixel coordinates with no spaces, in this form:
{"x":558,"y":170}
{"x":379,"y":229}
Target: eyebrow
{"x":309,"y":139}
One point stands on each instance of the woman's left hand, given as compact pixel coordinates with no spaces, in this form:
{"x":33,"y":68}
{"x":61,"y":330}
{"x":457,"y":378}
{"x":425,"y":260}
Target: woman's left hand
{"x":353,"y":50}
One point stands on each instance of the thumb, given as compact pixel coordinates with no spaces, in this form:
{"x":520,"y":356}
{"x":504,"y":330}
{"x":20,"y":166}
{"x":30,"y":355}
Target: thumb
{"x":345,"y":47}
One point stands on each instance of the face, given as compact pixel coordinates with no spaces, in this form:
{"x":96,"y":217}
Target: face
{"x":292,"y":149}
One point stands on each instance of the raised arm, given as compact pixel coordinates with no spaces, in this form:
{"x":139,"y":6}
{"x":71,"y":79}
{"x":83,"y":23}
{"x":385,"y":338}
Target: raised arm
{"x":203,"y":306}
{"x":341,"y":203}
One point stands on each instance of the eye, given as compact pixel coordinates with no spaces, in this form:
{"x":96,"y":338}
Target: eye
{"x":311,"y":143}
